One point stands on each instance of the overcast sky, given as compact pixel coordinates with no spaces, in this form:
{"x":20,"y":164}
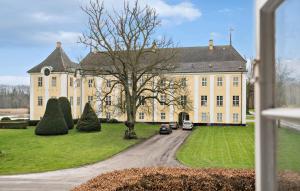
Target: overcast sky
{"x":29,"y":29}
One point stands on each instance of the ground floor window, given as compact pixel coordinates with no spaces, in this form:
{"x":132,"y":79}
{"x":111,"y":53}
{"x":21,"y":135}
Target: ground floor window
{"x":108,"y":115}
{"x":235,"y":117}
{"x":40,"y":101}
{"x":71,"y":100}
{"x":162,"y":116}
{"x":219,"y":117}
{"x":204,"y":117}
{"x":90,"y":98}
{"x":141,"y":115}
{"x":78,"y":101}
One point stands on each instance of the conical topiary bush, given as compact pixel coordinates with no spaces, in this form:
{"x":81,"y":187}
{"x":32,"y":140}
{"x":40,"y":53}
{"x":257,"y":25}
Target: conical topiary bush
{"x":53,"y":121}
{"x":65,"y":107}
{"x":88,"y":120}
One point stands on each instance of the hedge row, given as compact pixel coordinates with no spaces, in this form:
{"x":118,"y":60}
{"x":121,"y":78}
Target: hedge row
{"x":13,"y":124}
{"x":172,"y":179}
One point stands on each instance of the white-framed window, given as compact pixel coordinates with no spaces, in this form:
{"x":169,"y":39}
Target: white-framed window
{"x":183,"y":100}
{"x":235,"y":117}
{"x":204,"y":100}
{"x":204,"y":81}
{"x":219,"y":81}
{"x":142,"y":100}
{"x":235,"y":101}
{"x":78,"y":100}
{"x":40,"y":81}
{"x":141,"y":115}
{"x":108,"y":100}
{"x":40,"y":100}
{"x":219,"y":117}
{"x":219,"y":101}
{"x":71,"y":82}
{"x":108,"y":83}
{"x":203,"y":117}
{"x":235,"y":81}
{"x":163,"y":83}
{"x":184,"y":82}
{"x":71,"y":100}
{"x":108,"y":115}
{"x":90,"y":98}
{"x":162,"y":99}
{"x":90,"y":83}
{"x":53,"y":81}
{"x":162,"y":116}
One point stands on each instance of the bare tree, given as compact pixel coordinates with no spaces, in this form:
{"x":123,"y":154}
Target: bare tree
{"x":283,"y":77}
{"x":136,"y":65}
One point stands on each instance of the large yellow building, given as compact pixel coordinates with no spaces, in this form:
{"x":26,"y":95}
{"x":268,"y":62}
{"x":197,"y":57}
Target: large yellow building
{"x":215,"y":78}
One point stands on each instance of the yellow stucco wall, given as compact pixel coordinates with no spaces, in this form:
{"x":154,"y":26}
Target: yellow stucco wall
{"x":83,"y":91}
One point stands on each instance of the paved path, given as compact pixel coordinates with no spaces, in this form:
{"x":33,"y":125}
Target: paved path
{"x":157,"y":151}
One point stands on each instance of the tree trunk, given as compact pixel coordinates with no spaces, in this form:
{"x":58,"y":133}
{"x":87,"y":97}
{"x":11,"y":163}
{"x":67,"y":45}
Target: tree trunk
{"x":130,"y":111}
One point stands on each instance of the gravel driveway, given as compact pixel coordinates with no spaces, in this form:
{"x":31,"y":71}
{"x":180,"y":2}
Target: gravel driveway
{"x":157,"y":151}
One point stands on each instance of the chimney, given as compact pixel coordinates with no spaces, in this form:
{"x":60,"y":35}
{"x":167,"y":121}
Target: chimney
{"x":211,"y":44}
{"x":58,"y":44}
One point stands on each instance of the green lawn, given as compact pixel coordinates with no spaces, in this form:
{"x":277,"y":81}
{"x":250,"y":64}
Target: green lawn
{"x":24,"y":152}
{"x":233,"y":147}
{"x":229,"y":147}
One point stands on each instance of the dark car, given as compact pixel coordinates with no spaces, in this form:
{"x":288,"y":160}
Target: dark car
{"x":165,"y":129}
{"x":174,"y":125}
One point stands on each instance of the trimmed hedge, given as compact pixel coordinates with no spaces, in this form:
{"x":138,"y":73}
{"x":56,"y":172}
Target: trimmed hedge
{"x":5,"y":119}
{"x":113,"y":120}
{"x":88,"y":120}
{"x":172,"y":179}
{"x":65,"y":107}
{"x":53,"y":122}
{"x":13,"y":124}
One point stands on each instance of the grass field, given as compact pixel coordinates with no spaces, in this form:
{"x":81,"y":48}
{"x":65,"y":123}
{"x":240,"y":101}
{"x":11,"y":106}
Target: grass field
{"x":230,"y":147}
{"x":233,"y":147}
{"x":24,"y":152}
{"x":250,"y":117}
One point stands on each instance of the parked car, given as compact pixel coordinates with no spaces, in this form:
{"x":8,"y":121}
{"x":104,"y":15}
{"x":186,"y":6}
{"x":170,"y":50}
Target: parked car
{"x":187,"y":125}
{"x":165,"y":129}
{"x":174,"y":125}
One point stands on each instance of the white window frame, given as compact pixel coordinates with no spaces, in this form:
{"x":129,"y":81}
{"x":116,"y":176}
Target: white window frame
{"x":163,"y":99}
{"x":219,"y":81}
{"x":163,"y":116}
{"x":203,"y":117}
{"x":108,"y":100}
{"x":220,"y":101}
{"x":219,"y":117}
{"x":183,"y":100}
{"x":184,"y":82}
{"x":53,"y":81}
{"x":71,"y":100}
{"x":78,"y":100}
{"x":235,"y":101}
{"x":204,"y":100}
{"x":264,"y":72}
{"x":90,"y":83}
{"x":108,"y":115}
{"x":40,"y":81}
{"x":204,"y":81}
{"x":40,"y":101}
{"x":141,"y":115}
{"x":90,"y":98}
{"x":108,"y":83}
{"x":235,"y":81}
{"x":235,"y":117}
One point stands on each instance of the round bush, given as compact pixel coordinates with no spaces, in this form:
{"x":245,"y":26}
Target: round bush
{"x":88,"y":120}
{"x":5,"y":119}
{"x":53,"y":121}
{"x":65,"y":107}
{"x":113,"y":120}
